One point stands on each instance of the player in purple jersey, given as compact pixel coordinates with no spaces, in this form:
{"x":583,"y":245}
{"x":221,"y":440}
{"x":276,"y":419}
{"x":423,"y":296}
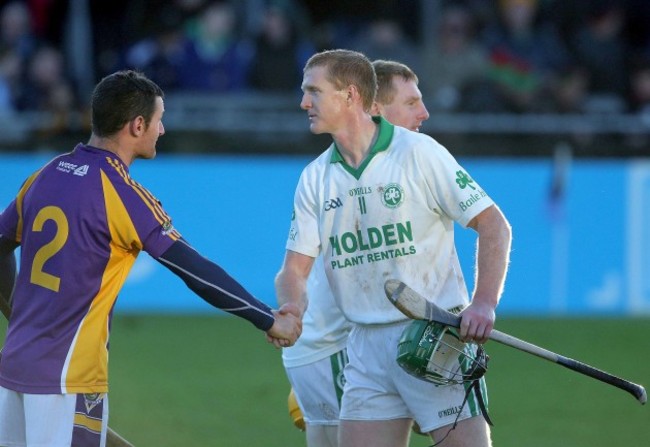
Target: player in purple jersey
{"x":80,"y":222}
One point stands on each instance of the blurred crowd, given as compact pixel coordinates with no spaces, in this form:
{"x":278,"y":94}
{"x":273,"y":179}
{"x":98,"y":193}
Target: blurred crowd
{"x":501,"y":56}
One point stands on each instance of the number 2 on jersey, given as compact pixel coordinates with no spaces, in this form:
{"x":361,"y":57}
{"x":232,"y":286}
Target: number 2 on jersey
{"x":38,"y":276}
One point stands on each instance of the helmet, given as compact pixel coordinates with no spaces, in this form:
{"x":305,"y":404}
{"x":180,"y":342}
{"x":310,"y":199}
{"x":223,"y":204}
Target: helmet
{"x":433,"y":352}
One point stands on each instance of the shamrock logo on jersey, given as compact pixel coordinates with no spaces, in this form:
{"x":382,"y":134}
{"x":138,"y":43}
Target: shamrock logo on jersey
{"x":393,"y":195}
{"x":464,"y":180}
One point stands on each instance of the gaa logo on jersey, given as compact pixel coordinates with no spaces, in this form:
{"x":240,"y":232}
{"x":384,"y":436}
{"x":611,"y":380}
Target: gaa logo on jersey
{"x":392,"y":195}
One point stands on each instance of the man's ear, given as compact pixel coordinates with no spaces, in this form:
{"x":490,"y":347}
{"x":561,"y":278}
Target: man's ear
{"x":376,"y":109}
{"x":352,"y":94}
{"x":137,"y":126}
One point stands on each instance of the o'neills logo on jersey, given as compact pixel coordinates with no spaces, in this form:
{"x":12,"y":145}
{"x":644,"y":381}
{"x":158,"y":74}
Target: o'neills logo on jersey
{"x":377,"y":240}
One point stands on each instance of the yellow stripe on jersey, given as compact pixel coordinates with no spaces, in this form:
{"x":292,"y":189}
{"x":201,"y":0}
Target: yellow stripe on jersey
{"x":19,"y":203}
{"x":117,"y":165}
{"x":119,"y":218}
{"x":84,"y":367}
{"x":89,"y":423}
{"x":152,"y":200}
{"x":147,"y":197}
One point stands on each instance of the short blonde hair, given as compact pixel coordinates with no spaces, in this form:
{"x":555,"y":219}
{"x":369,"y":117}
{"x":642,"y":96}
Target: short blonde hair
{"x":346,"y":67}
{"x":385,"y":71}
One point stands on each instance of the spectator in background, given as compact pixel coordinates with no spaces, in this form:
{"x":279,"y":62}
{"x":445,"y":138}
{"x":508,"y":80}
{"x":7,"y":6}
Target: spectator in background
{"x":455,"y":62}
{"x":280,"y":52}
{"x":215,"y":59}
{"x":639,"y":101}
{"x":160,"y":56}
{"x":599,"y":46}
{"x":639,"y":97}
{"x":16,"y":29}
{"x":17,"y":44}
{"x":384,"y":38}
{"x":525,"y":56}
{"x":10,"y":71}
{"x":571,"y":90}
{"x":46,"y":88}
{"x":189,"y":8}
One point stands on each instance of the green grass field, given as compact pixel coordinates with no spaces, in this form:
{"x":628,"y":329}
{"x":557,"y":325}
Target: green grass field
{"x":214,"y":381}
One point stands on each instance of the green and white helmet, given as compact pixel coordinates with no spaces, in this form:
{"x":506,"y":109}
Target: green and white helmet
{"x":433,"y":352}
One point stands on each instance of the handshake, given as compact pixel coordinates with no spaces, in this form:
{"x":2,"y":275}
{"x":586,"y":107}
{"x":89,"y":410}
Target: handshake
{"x":287,"y":327}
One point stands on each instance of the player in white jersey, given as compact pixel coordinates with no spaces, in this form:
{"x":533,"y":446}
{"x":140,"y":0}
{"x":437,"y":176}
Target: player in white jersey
{"x":397,"y":195}
{"x":314,"y":365}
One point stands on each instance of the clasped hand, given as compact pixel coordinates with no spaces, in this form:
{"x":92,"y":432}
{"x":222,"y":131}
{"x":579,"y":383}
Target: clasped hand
{"x":287,"y":327}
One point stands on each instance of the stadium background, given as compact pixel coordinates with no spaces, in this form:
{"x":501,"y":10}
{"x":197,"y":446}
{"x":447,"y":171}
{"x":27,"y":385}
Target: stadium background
{"x":574,"y":184}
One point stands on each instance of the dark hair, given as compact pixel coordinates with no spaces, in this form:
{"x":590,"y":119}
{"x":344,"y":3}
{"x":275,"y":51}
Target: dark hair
{"x":121,"y":97}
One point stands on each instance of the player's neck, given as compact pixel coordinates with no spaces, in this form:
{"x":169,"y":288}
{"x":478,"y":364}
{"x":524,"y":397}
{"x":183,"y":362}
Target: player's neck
{"x":356,"y":142}
{"x":112,"y":145}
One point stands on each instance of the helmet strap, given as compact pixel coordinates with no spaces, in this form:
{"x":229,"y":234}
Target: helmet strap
{"x":476,"y":387}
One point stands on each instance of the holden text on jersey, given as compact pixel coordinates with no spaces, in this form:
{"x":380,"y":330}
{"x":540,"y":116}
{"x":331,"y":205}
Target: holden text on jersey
{"x":370,"y":239}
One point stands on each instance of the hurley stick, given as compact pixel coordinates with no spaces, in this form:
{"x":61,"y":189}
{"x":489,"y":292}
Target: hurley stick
{"x":415,"y":306}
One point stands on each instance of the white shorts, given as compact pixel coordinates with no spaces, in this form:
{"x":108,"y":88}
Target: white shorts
{"x":318,"y":388}
{"x":53,"y":420}
{"x":377,"y":388}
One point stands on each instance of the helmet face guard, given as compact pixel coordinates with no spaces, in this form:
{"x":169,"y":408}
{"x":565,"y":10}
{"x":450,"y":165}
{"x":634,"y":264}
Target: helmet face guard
{"x":433,"y":352}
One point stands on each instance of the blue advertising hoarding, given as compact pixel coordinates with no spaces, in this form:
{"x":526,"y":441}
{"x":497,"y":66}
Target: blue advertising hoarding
{"x":579,"y":249}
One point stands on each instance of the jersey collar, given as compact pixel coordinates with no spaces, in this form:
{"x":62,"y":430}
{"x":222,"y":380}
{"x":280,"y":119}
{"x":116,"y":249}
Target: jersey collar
{"x":99,"y":151}
{"x":384,"y":138}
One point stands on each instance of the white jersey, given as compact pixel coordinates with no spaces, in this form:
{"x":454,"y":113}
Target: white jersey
{"x":324,"y":328}
{"x":392,"y":218}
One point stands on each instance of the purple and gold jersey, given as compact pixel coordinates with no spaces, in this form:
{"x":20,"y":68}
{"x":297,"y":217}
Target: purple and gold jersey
{"x":81,"y":222}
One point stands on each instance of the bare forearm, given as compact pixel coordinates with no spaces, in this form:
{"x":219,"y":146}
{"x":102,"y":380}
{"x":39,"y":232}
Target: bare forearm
{"x":291,"y":288}
{"x":291,"y":281}
{"x":493,"y":256}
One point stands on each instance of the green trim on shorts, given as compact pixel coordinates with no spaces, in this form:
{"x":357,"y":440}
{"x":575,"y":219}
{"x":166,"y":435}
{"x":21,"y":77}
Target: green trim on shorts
{"x":338,"y":362}
{"x":472,"y":399}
